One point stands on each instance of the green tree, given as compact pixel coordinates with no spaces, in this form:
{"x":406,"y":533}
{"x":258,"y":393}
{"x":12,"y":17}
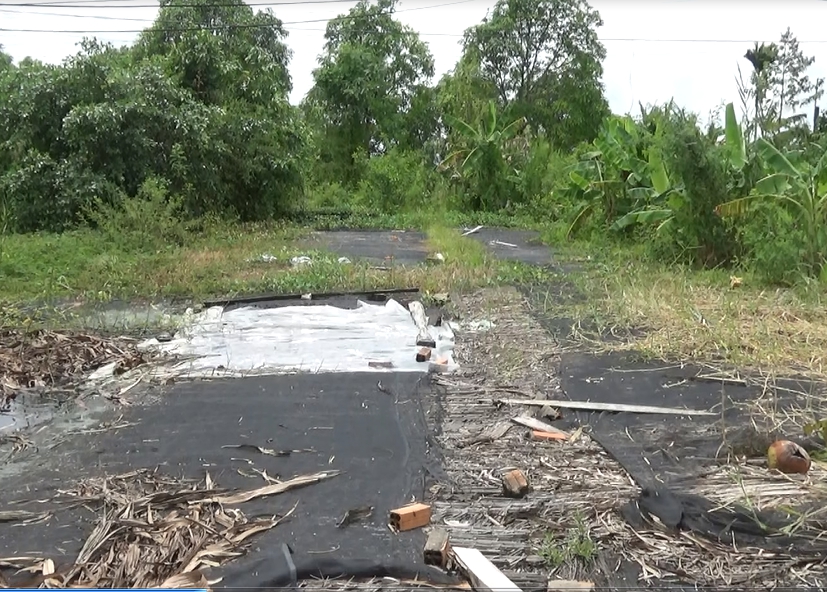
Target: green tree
{"x":370,"y":90}
{"x":464,"y":94}
{"x":6,"y":62}
{"x":543,"y":58}
{"x":221,"y":51}
{"x":485,"y":159}
{"x":779,"y":85}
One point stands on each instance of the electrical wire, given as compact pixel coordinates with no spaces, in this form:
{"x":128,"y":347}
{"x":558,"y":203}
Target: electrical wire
{"x":61,"y":4}
{"x":66,"y":4}
{"x":239,"y":26}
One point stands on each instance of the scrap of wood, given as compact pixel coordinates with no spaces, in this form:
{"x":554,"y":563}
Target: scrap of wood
{"x":274,"y":489}
{"x":483,"y":575}
{"x":22,"y":515}
{"x":423,"y":355}
{"x":473,"y":230}
{"x":594,"y":406}
{"x":380,"y":365}
{"x":490,"y":434}
{"x":569,"y":586}
{"x":515,"y":484}
{"x":423,"y":338}
{"x":539,"y":426}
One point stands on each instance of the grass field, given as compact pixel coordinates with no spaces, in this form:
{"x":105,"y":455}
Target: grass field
{"x":662,"y":311}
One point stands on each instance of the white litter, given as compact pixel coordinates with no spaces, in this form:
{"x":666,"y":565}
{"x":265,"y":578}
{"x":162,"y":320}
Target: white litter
{"x":478,"y":326}
{"x":300,"y":261}
{"x":323,"y":338}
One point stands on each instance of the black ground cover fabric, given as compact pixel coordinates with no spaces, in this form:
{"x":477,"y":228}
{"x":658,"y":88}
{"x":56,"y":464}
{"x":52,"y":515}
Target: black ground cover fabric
{"x":380,"y":441}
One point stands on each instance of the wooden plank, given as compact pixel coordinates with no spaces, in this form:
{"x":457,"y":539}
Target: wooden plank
{"x":483,"y":575}
{"x":594,"y":406}
{"x":569,"y":586}
{"x":423,"y":338}
{"x":540,"y":426}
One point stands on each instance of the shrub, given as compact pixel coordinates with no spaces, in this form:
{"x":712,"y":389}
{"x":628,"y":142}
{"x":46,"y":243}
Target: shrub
{"x":396,"y":180}
{"x":150,"y":221}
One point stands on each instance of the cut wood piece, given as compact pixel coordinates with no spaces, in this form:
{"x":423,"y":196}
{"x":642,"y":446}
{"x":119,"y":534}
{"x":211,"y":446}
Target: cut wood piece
{"x":423,"y":355}
{"x":515,"y":484}
{"x":423,"y":338}
{"x":483,"y":575}
{"x":472,"y":231}
{"x":569,"y":586}
{"x":490,"y":434}
{"x":437,"y":547}
{"x":539,"y":426}
{"x":593,"y":406}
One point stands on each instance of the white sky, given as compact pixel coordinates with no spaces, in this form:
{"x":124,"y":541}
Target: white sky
{"x":649,"y":58}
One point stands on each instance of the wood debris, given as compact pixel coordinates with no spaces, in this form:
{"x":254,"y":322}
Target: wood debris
{"x":541,"y":426}
{"x":611,"y":407}
{"x":39,"y":359}
{"x":484,"y":575}
{"x":515,"y":484}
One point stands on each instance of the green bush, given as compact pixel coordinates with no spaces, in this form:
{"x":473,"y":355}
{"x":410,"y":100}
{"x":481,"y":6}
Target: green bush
{"x":152,"y":220}
{"x":328,"y":196}
{"x":773,"y":244}
{"x":397,"y":180}
{"x":697,"y":234}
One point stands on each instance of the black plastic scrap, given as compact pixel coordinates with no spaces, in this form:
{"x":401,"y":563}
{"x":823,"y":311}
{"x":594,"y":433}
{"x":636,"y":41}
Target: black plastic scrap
{"x":734,"y":525}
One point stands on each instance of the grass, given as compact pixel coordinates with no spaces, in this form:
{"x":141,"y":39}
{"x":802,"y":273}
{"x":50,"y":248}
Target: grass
{"x":667,"y":312}
{"x":677,"y":313}
{"x":575,"y":545}
{"x":88,"y":267}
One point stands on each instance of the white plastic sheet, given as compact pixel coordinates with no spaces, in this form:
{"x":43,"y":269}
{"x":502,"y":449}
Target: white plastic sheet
{"x":253,"y":340}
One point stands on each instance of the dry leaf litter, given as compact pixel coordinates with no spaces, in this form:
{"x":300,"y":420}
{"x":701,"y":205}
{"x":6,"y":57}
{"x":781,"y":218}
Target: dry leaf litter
{"x":155,"y":531}
{"x":39,"y":359}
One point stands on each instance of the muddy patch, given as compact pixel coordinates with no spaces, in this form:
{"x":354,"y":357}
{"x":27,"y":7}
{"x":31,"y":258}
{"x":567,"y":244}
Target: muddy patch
{"x":381,"y":247}
{"x":508,"y":244}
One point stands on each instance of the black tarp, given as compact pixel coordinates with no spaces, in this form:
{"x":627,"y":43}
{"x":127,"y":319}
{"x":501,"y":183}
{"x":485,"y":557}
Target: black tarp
{"x":379,"y":441}
{"x":666,"y":454}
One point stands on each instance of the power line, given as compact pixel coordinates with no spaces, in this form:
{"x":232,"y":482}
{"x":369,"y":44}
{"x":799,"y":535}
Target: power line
{"x":287,"y":24}
{"x":239,"y":26}
{"x":71,"y":4}
{"x":143,"y":20}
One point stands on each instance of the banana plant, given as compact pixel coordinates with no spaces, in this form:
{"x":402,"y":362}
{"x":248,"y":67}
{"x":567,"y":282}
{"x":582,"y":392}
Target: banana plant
{"x":664,"y":198}
{"x":483,"y":159}
{"x":801,"y":186}
{"x":612,"y":175}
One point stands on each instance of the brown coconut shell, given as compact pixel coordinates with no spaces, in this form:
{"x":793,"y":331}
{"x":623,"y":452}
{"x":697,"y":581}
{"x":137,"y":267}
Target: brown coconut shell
{"x":788,"y":457}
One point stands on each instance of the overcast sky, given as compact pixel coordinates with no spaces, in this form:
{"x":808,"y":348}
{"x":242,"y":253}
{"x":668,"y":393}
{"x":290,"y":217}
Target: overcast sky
{"x":688,"y":50}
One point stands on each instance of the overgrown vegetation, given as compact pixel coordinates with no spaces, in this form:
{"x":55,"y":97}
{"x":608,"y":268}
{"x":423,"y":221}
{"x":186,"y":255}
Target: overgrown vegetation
{"x":167,"y":167}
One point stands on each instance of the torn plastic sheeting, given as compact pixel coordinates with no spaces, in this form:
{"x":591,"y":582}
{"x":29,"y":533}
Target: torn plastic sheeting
{"x":322,"y":338}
